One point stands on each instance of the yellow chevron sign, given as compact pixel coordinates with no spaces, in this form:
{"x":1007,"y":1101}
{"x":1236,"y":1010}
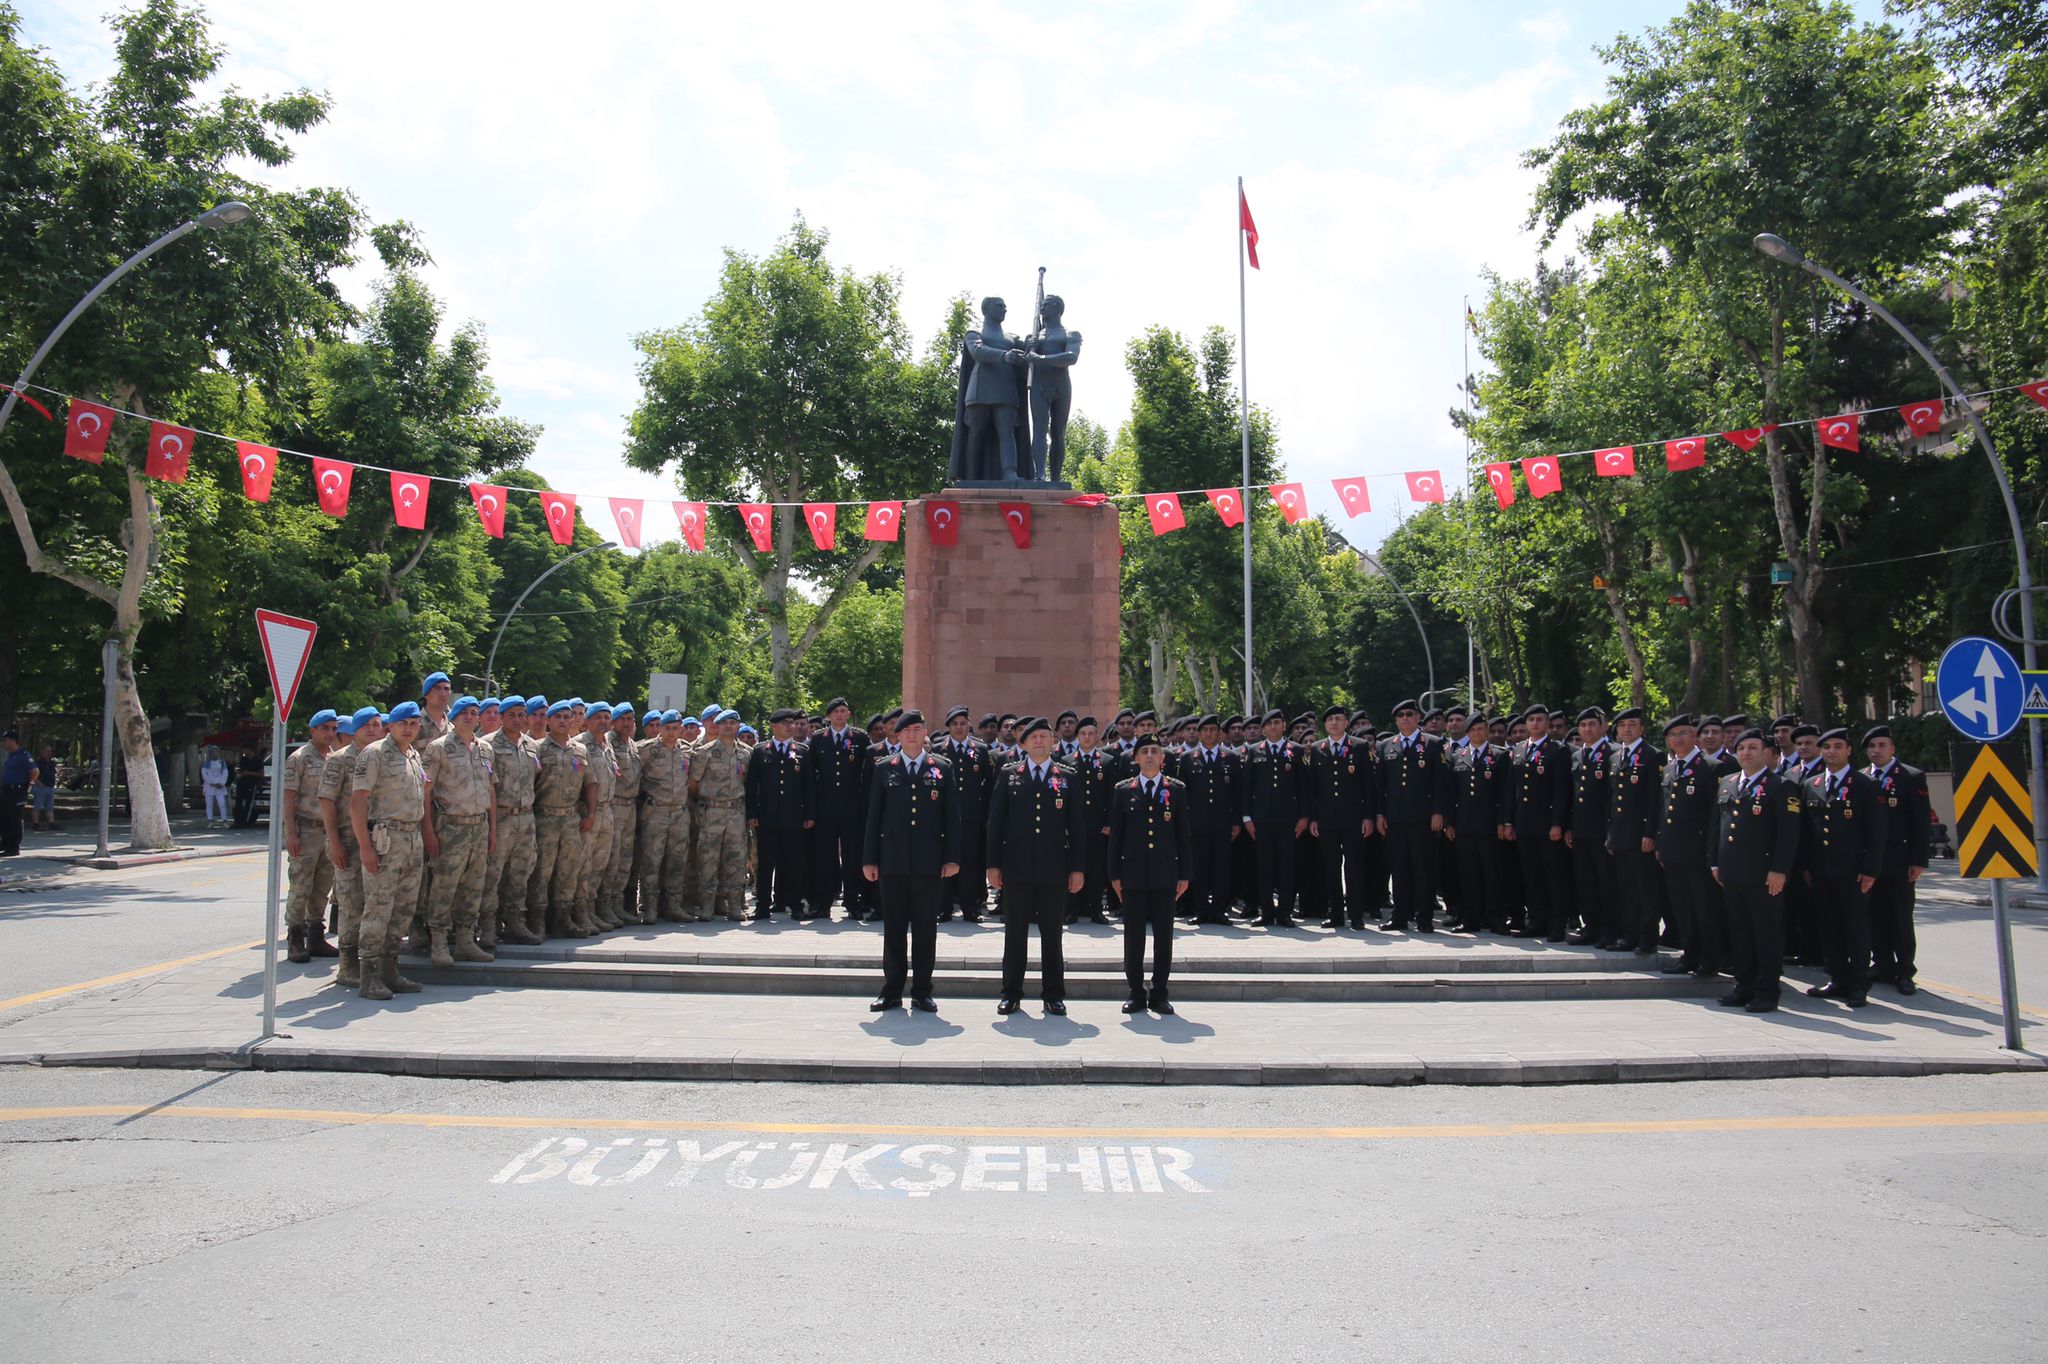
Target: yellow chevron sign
{"x":1994,"y":813}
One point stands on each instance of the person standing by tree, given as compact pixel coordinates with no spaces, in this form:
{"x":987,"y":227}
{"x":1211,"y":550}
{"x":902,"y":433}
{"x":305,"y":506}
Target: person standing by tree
{"x":213,"y":783}
{"x":15,"y":770}
{"x":248,"y":778}
{"x":43,"y":791}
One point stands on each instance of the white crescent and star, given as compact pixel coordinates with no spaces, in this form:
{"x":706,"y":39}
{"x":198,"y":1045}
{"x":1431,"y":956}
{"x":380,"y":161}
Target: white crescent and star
{"x":82,"y":418}
{"x":1287,"y":496}
{"x":1498,"y":476}
{"x":689,"y":518}
{"x":818,"y":520}
{"x":1686,"y":447}
{"x":1424,"y":483}
{"x":334,"y":486}
{"x":408,"y":493}
{"x":942,"y":516}
{"x":626,"y":514}
{"x":488,"y":501}
{"x":1164,"y":507}
{"x":756,"y":520}
{"x":1351,"y":492}
{"x":1226,"y":502}
{"x":885,"y":514}
{"x":173,"y":440}
{"x":555,"y":510}
{"x":257,"y":460}
{"x":1015,"y":517}
{"x":1612,"y":459}
{"x":1838,"y":428}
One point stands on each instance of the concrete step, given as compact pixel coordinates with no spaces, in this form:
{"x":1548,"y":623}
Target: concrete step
{"x":983,"y":983}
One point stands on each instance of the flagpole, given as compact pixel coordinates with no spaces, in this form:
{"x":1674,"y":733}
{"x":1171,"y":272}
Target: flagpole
{"x":1244,"y":427}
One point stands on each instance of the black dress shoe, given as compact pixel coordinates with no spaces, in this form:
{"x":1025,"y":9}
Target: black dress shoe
{"x":1425,"y":927}
{"x":1675,"y":968}
{"x":1098,"y":917}
{"x":1907,"y":987}
{"x":1761,"y":1006}
{"x":1618,"y":945}
{"x":1396,"y":926}
{"x":1006,"y":1006}
{"x":1553,"y":937}
{"x":1859,"y":1000}
{"x":886,"y":1003}
{"x":1646,"y":951}
{"x":924,"y":1004}
{"x":1160,"y":1003}
{"x":970,"y":916}
{"x":1056,"y":1007}
{"x":1580,"y":939}
{"x":1333,"y":923}
{"x":1135,"y":1004}
{"x":1827,"y":991}
{"x":1734,"y":1000}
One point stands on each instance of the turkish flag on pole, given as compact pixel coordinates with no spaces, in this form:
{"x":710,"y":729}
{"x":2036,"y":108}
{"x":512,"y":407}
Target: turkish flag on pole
{"x":626,"y":517}
{"x":1543,"y":475}
{"x":884,"y":521}
{"x":823,"y":519}
{"x":1426,"y":487}
{"x":2037,"y":390}
{"x":1293,"y":505}
{"x":1747,"y":438}
{"x":409,"y":501}
{"x":1165,"y":511}
{"x":1351,"y":492}
{"x":561,"y":510}
{"x":490,"y":508}
{"x":1922,"y":419}
{"x":259,"y":466}
{"x":170,"y":452}
{"x":1247,"y":226}
{"x":1017,"y":516}
{"x":1615,"y":462}
{"x":942,"y":520}
{"x":759,"y":518}
{"x":690,"y":516}
{"x":1687,"y":452}
{"x":1229,"y":505}
{"x":1839,"y":432}
{"x":86,"y":428}
{"x":1501,"y":479}
{"x":331,"y":478}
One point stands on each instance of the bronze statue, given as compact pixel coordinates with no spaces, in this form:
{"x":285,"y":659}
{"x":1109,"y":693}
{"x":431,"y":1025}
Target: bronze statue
{"x":1010,"y":417}
{"x":1054,"y":352}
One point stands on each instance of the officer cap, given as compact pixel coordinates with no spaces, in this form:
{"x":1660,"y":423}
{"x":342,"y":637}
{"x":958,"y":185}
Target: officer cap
{"x":1784,"y":722}
{"x":725,"y":715}
{"x":1127,"y":714}
{"x":1145,"y":715}
{"x":513,"y":703}
{"x":1537,"y":709}
{"x":1737,"y":722}
{"x":404,"y":710}
{"x":363,"y":717}
{"x":1208,"y":720}
{"x":1146,"y":741}
{"x":1595,"y":713}
{"x":463,"y":703}
{"x":957,"y":713}
{"x":837,"y":703}
{"x":1031,"y":726}
{"x":1751,"y":733}
{"x":748,"y":729}
{"x":913,"y":716}
{"x":321,"y":717}
{"x":1877,"y":732}
{"x":597,"y":708}
{"x":1706,"y":720}
{"x":670,"y":717}
{"x":1066,"y":715}
{"x":1681,"y":722}
{"x":490,"y":703}
{"x":559,"y":708}
{"x":1407,"y":708}
{"x":1838,"y":732}
{"x":431,"y":681}
{"x":1434,"y":714}
{"x":345,"y":724}
{"x":1802,"y":731}
{"x":623,"y":708}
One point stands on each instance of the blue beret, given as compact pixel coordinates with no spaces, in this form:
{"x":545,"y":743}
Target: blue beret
{"x":725,"y":715}
{"x":712,"y":711}
{"x":577,"y":701}
{"x":322,"y":717}
{"x":537,"y":702}
{"x":405,"y":710}
{"x":462,"y":703}
{"x":669,"y":717}
{"x":691,"y":721}
{"x":623,"y":708}
{"x":653,"y":717}
{"x":363,"y":717}
{"x":345,"y":724}
{"x":597,"y":708}
{"x":748,"y":729}
{"x":508,"y":702}
{"x":559,"y":708}
{"x":489,"y":703}
{"x":430,"y":681}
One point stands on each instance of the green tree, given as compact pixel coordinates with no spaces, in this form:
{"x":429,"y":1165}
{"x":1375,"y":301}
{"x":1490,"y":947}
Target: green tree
{"x":565,"y":639}
{"x":860,"y":654}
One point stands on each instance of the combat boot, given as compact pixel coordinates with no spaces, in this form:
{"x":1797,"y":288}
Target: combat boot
{"x":392,"y":980}
{"x":467,"y":949}
{"x":437,"y":951}
{"x":346,"y":973}
{"x":373,"y":985}
{"x":295,"y":948}
{"x":317,"y":944}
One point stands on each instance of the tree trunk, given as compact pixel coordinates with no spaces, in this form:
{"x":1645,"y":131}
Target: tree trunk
{"x":1729,"y":659}
{"x":149,"y":822}
{"x":1162,"y":671}
{"x":1695,"y":637}
{"x":1624,"y":628}
{"x":1801,"y":552}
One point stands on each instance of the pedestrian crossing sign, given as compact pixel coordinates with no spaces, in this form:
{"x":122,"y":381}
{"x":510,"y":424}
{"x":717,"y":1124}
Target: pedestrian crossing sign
{"x":2035,"y":700}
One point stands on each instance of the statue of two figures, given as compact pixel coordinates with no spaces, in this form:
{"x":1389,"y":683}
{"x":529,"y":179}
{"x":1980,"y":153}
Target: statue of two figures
{"x":1010,"y":423}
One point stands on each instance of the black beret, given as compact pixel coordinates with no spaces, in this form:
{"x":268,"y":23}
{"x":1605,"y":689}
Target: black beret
{"x":1802,"y":731}
{"x":1305,"y":718}
{"x":1559,"y":716}
{"x":1406,"y":707}
{"x":913,"y":716}
{"x":1538,"y":709}
{"x":874,"y":720}
{"x":1681,"y":722}
{"x":1208,"y":720}
{"x":1877,"y":732}
{"x":1274,"y":714}
{"x":1328,"y":711}
{"x":1735,"y":721}
{"x":1432,"y":715}
{"x":956,"y":713}
{"x":988,"y":719}
{"x":1839,"y":732}
{"x":1595,"y":713}
{"x":1146,"y":715}
{"x":1456,"y":710}
{"x":1233,"y":720}
{"x":782,"y":716}
{"x":1125,"y":713}
{"x":1146,"y":741}
{"x":1067,"y":715}
{"x":836,"y":703}
{"x":894,"y":712}
{"x":1005,"y":719}
{"x":1089,"y":722}
{"x":1706,"y":720}
{"x":1749,"y":734}
{"x":1032,"y":726}
{"x":1784,"y":722}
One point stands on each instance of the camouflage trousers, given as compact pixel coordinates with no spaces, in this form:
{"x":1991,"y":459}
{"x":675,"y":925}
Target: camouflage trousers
{"x":557,"y":862}
{"x":722,"y":857}
{"x":663,"y":852}
{"x":507,"y":873}
{"x":312,"y":877}
{"x":615,"y":891}
{"x":457,"y":892}
{"x":391,"y":891}
{"x":596,"y":850}
{"x":348,"y":893}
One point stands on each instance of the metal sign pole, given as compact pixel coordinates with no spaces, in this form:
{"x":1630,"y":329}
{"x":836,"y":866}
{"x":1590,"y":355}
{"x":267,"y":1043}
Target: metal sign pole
{"x":110,"y":659}
{"x":270,"y":879}
{"x":2008,"y":987}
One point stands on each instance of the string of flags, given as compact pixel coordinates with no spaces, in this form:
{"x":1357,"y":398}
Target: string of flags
{"x":89,"y":425}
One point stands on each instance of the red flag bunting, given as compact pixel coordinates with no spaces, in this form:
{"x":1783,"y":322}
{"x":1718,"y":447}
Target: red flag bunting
{"x":490,"y":508}
{"x":884,"y":521}
{"x":1351,"y":492}
{"x":1426,"y":487}
{"x":1501,"y":478}
{"x":28,"y":401}
{"x":1616,"y":462}
{"x":1229,"y":504}
{"x":561,"y":510}
{"x":1839,"y":432}
{"x":409,"y":501}
{"x":1165,"y":511}
{"x":2037,"y":390}
{"x":1248,"y":227}
{"x":690,"y":516}
{"x":626,"y":517}
{"x":259,"y":465}
{"x":1543,"y":475}
{"x":759,"y":519}
{"x":942,"y":520}
{"x":86,"y":428}
{"x":1086,"y":499}
{"x":823,"y":519}
{"x":331,"y":478}
{"x":170,"y":452}
{"x":1017,"y":516}
{"x":1922,"y":419}
{"x":1687,"y":452}
{"x":1288,"y":496}
{"x":1747,"y":438}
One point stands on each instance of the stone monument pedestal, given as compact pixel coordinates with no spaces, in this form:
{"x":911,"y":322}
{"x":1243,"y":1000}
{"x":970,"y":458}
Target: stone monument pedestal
{"x":992,"y":627}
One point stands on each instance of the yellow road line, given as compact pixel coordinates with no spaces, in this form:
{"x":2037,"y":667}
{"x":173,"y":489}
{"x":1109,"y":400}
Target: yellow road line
{"x":1942,"y":987}
{"x":136,"y":974}
{"x":1822,"y":1122}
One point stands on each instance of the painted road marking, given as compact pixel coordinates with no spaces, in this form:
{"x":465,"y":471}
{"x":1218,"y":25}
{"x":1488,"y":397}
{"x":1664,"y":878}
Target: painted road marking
{"x":1813,"y":1122}
{"x":1942,"y":987}
{"x":136,"y":974}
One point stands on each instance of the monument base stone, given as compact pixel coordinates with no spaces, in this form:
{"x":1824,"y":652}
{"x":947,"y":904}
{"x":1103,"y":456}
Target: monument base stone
{"x":992,"y":627}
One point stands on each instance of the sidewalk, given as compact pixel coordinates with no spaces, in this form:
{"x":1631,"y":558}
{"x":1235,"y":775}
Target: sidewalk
{"x":73,"y":843}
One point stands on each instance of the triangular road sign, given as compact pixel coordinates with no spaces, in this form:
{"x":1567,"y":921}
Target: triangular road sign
{"x":2037,"y":700}
{"x":287,"y":644}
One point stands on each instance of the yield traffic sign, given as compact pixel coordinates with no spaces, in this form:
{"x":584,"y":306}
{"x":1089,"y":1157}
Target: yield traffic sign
{"x":287,"y":644}
{"x":1980,"y":688}
{"x":1994,"y":813}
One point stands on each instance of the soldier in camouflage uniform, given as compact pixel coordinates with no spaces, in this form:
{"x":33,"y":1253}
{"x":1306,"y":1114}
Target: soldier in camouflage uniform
{"x":513,"y":768}
{"x":458,"y":833}
{"x":561,"y":803}
{"x":437,"y":693}
{"x":305,"y":842}
{"x":695,"y":903}
{"x":718,"y":778}
{"x":363,"y":728}
{"x":664,"y":845}
{"x":592,"y":916}
{"x":387,"y":802}
{"x":616,"y":890}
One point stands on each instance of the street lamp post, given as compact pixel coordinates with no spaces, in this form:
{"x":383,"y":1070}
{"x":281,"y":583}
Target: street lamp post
{"x":1778,"y":249}
{"x":491,"y":663}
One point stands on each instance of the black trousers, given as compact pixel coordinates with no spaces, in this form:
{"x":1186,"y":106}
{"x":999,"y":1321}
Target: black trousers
{"x":1308,"y":875}
{"x":10,"y":819}
{"x":1148,"y":910}
{"x":1342,"y":879}
{"x":1026,"y":903}
{"x":1273,"y":861}
{"x":910,"y":915}
{"x":779,"y":867}
{"x":968,"y":891}
{"x":1756,"y":940}
{"x":1208,"y":895}
{"x":1892,"y":944}
{"x":245,"y":801}
{"x":1696,"y":904}
{"x":1545,"y":865}
{"x":1844,"y":913}
{"x":1481,"y":902}
{"x":1594,"y":884}
{"x":1642,"y":898}
{"x":1375,"y":887}
{"x":835,"y":862}
{"x":1411,"y":857}
{"x":1094,"y":891}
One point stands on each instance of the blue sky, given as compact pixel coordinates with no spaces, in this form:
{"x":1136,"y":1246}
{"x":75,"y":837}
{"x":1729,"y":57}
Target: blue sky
{"x":576,"y":174}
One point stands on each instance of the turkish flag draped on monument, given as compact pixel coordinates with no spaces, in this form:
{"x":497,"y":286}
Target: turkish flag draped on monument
{"x":1426,"y":487}
{"x":170,"y":452}
{"x":409,"y":501}
{"x":259,"y":466}
{"x":1017,"y":516}
{"x":1687,"y":452}
{"x":1288,"y":497}
{"x":1501,"y":479}
{"x":1543,"y":475}
{"x":942,"y":521}
{"x":490,"y":508}
{"x":823,"y":519}
{"x":1165,"y":511}
{"x":331,"y":478}
{"x":626,"y":513}
{"x":1229,"y":504}
{"x":759,"y":518}
{"x":1840,"y":432}
{"x":1922,"y":419}
{"x":86,"y":428}
{"x":561,"y":510}
{"x":1616,"y":462}
{"x":884,"y":521}
{"x":1351,"y":492}
{"x":690,"y":516}
{"x":1248,"y":227}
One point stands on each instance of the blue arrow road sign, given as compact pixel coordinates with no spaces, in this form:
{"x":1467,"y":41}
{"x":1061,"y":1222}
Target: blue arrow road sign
{"x":1980,"y":689}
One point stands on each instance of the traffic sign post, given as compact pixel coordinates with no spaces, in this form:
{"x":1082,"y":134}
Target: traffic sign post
{"x":1981,"y":689}
{"x":287,"y":644}
{"x":1995,"y":842}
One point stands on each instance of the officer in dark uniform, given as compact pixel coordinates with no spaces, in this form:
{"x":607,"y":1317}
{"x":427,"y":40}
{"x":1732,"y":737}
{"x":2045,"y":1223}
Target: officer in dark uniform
{"x":1091,"y":787}
{"x":1308,"y":865}
{"x":1907,"y":835}
{"x":1343,"y":812}
{"x":1479,"y":810}
{"x":1754,"y":853}
{"x":1593,"y":878}
{"x":1213,"y":775}
{"x":1376,"y":898}
{"x":1805,"y":942}
{"x":1150,"y":855}
{"x":911,"y":848}
{"x":1035,"y":851}
{"x":973,"y":770}
{"x":1635,"y":775}
{"x":1451,"y":726}
{"x":781,"y":806}
{"x":881,"y":747}
{"x":1542,"y":807}
{"x":836,"y":749}
{"x":1685,"y":831}
{"x":1414,"y":798}
{"x":1273,"y":815}
{"x":1845,"y":846}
